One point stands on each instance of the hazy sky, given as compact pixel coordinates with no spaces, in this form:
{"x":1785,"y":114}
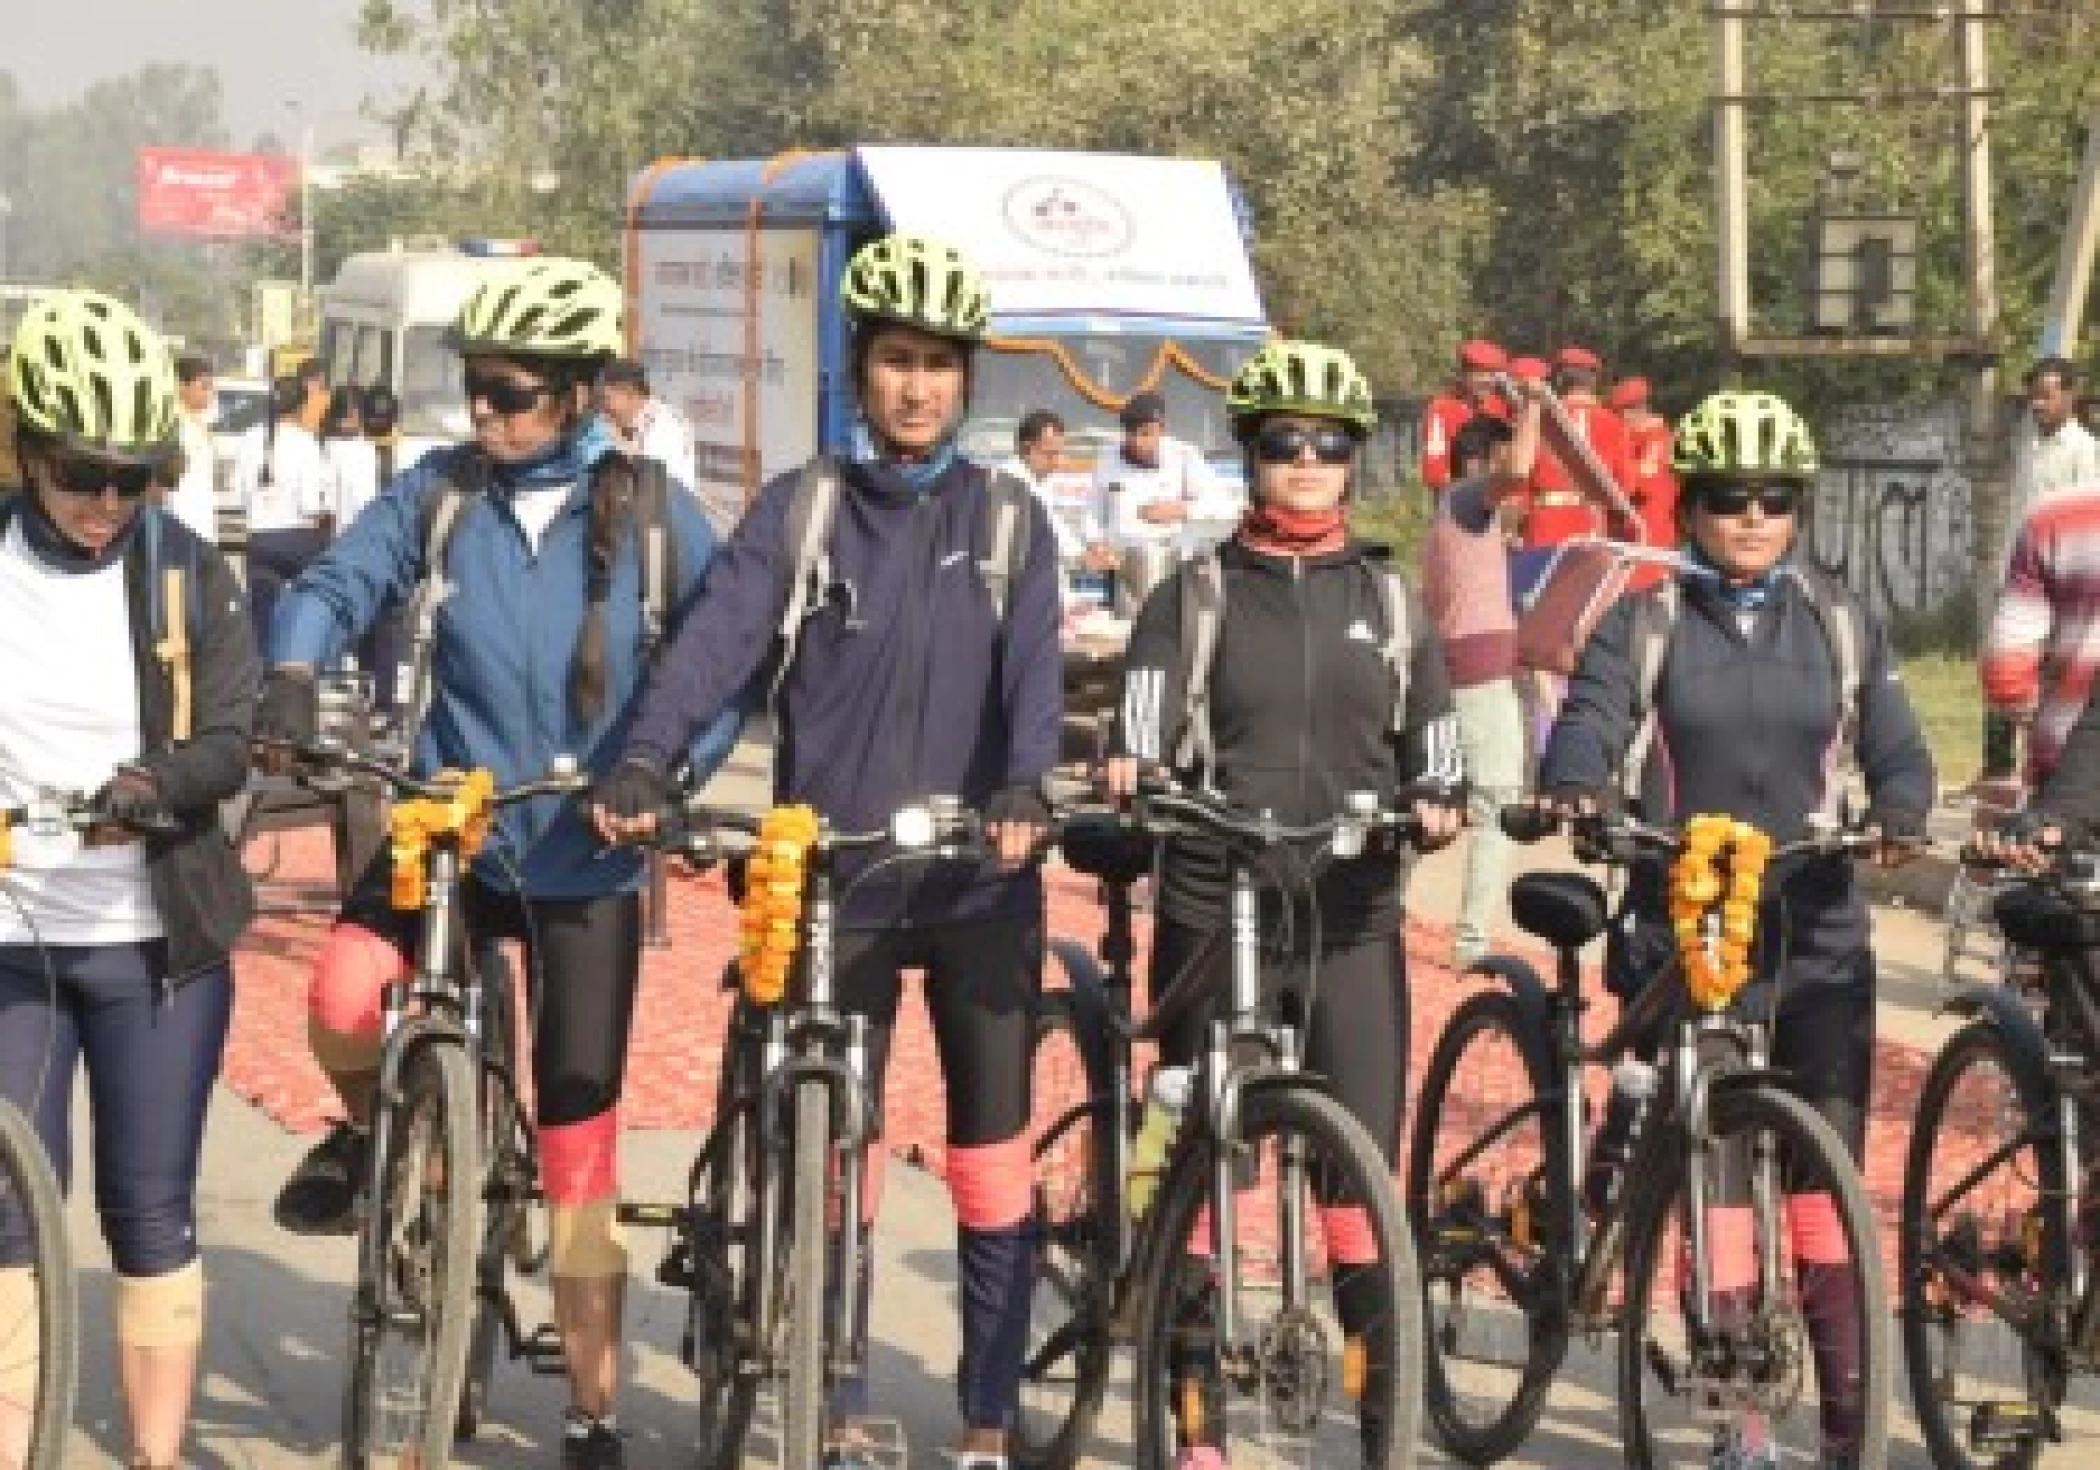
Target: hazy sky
{"x":266,"y":51}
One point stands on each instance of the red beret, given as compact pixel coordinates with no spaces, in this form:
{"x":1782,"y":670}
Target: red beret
{"x":1578,"y":357}
{"x":1482,"y":355}
{"x":1628,"y":393}
{"x":1529,"y":367}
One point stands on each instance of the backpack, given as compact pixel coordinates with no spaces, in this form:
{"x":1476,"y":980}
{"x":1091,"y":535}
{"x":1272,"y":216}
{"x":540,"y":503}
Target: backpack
{"x":1008,"y":532}
{"x":1202,"y":593}
{"x":439,"y":515}
{"x":173,"y":612}
{"x":1843,"y":624}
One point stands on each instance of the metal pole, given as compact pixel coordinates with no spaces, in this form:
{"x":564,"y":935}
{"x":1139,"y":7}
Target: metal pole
{"x":306,"y":223}
{"x":1731,"y":185}
{"x":1986,"y":438}
{"x":2074,"y":263}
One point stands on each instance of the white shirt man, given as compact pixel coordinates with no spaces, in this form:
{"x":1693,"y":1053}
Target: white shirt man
{"x":300,"y":490}
{"x":193,"y":499}
{"x":646,"y":424}
{"x":1156,"y":490}
{"x":2052,"y":451}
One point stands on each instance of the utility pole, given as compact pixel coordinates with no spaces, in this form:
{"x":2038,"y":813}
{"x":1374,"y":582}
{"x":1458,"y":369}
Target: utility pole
{"x":1988,"y":482}
{"x":1731,"y":185}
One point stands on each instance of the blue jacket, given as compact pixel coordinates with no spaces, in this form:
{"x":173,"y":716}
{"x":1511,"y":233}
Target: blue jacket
{"x":905,"y":684}
{"x":500,"y":664}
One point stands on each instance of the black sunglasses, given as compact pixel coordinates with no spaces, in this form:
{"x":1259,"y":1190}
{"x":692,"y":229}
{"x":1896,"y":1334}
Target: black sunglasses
{"x":78,"y":475}
{"x":505,"y":395}
{"x":1733,"y":499}
{"x":1283,"y":443}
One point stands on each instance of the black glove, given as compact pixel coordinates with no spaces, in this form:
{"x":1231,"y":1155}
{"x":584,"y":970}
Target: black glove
{"x":1905,"y":826}
{"x":1021,"y":805}
{"x":131,"y":799}
{"x":289,"y":711}
{"x":636,"y":787}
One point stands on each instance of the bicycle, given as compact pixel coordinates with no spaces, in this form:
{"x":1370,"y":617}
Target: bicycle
{"x":1999,"y":1243}
{"x":1104,"y":1282}
{"x":772,"y":1221}
{"x":39,"y":1303}
{"x":453,"y":1172}
{"x":1515,"y":1261}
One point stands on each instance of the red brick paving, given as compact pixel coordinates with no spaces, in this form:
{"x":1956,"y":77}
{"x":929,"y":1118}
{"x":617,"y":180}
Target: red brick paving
{"x":677,"y":1039}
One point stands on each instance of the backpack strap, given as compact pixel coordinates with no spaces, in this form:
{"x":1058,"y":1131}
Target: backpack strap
{"x":1654,"y":620}
{"x":1399,"y":648}
{"x":442,"y":505}
{"x":1009,"y":529}
{"x":657,"y":549}
{"x":1845,"y":631}
{"x":810,"y":514}
{"x":171,"y":594}
{"x":1202,"y":617}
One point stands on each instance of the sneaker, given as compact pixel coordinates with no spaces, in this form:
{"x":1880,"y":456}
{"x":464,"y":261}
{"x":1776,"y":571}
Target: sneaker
{"x":1734,"y":1450}
{"x":975,"y":1460}
{"x":1200,"y":1457}
{"x":851,"y":1457}
{"x":321,"y":1196}
{"x":591,"y":1443}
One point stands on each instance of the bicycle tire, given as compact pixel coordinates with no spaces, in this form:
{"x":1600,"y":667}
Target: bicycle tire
{"x":1924,"y":1309}
{"x":1339,"y":1139}
{"x":806,"y":1387}
{"x":435,"y":1101}
{"x":508,"y":1201}
{"x":1447,"y":1257}
{"x":26,"y":1176}
{"x":722,"y":1328}
{"x":1739,"y":1111}
{"x":1071,"y":1267}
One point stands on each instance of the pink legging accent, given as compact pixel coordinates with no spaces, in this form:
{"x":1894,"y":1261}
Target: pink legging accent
{"x":353,"y":971}
{"x":1814,"y":1231}
{"x":1731,"y":1247}
{"x":1350,"y":1239}
{"x":580,"y":1162}
{"x":1817,"y":1232}
{"x":990,"y":1183}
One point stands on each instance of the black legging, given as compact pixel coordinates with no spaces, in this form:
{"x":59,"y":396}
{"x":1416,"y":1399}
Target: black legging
{"x":274,"y":561}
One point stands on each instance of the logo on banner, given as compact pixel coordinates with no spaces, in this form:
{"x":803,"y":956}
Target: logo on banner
{"x":1066,"y":216}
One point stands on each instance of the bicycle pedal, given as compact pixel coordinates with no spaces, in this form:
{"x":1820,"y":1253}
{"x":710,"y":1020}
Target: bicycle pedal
{"x":653,"y":1216}
{"x":882,"y":1442}
{"x":542,"y":1352}
{"x":2001,"y":1429}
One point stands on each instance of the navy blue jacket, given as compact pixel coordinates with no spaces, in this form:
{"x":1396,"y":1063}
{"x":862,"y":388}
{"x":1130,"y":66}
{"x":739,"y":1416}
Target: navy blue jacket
{"x":905,"y":684}
{"x":506,"y":637}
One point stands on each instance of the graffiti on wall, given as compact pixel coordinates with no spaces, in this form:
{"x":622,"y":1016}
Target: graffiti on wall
{"x":1891,"y":510}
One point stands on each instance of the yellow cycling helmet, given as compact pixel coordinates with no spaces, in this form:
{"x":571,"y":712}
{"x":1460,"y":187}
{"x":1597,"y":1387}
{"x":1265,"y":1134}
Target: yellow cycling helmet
{"x":1743,"y":435}
{"x":917,"y":281}
{"x":546,"y":307}
{"x":88,"y":373}
{"x":1304,"y":378}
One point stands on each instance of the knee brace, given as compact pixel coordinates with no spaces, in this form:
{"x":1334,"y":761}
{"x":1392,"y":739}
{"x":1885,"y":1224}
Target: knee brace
{"x":585,"y":1242}
{"x":19,"y":1323}
{"x":990,"y":1184}
{"x":343,"y":1009}
{"x":162,"y":1311}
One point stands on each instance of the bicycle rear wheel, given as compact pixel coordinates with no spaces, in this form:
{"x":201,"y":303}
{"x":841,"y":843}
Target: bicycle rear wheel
{"x":1328,"y":1379}
{"x":1981,"y":1225}
{"x":1065,"y":1371}
{"x":39,"y":1311}
{"x":409,"y":1332}
{"x":1492,"y":1252}
{"x":1787,"y":1359}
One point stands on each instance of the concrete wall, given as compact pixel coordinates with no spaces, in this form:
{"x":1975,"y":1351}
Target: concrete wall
{"x":1891,"y":514}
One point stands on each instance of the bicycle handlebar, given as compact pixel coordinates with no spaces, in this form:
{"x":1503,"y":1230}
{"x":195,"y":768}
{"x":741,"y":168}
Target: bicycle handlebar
{"x":53,"y":812}
{"x":1619,"y":839}
{"x":1163,"y":810}
{"x":563,"y":778}
{"x":939,"y":828}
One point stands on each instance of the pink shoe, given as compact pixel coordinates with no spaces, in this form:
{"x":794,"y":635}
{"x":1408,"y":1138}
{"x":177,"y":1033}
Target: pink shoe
{"x":1200,"y":1457}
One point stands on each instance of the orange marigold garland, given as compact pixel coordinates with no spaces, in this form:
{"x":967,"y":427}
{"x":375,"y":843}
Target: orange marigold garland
{"x":773,"y":900}
{"x":465,"y":811}
{"x":1714,"y":889}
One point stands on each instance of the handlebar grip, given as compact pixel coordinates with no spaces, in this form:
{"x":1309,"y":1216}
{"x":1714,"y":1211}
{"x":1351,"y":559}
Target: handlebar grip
{"x":1523,"y":822}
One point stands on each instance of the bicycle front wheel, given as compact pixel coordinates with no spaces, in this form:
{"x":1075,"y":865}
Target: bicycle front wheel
{"x":1983,"y":1262}
{"x":1784,"y":1357}
{"x":807,"y":1387}
{"x":721,"y":1256}
{"x":409,"y":1331}
{"x":39,"y":1312}
{"x":1324,"y":1367}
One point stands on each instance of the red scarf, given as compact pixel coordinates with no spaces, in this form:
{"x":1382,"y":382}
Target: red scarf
{"x":1281,"y":532}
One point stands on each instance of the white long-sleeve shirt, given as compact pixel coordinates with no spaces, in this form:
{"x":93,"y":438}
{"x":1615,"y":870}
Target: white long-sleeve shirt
{"x":661,"y":433}
{"x":301,"y":486}
{"x":355,"y":465}
{"x":193,"y":500}
{"x":2046,"y":463}
{"x":1122,"y":489}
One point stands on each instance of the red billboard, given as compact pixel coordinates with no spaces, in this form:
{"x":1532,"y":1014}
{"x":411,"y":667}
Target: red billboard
{"x":215,"y":196}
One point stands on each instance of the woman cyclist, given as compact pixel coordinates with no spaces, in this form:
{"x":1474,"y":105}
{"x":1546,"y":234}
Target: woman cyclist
{"x":908,"y":683}
{"x":1750,"y":711}
{"x":1301,"y":710}
{"x":114,"y":945}
{"x":537,"y":653}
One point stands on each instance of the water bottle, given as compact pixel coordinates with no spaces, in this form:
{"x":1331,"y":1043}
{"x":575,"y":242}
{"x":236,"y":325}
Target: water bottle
{"x":1165,"y":1102}
{"x":1633,"y":1088}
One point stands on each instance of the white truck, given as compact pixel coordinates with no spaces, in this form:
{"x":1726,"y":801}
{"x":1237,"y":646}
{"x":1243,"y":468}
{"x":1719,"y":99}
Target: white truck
{"x":1109,"y":274}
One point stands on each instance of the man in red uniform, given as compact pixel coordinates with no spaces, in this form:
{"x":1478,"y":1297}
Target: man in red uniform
{"x":1530,"y":369}
{"x":1472,"y":392}
{"x":1558,"y":509}
{"x":1654,"y":487}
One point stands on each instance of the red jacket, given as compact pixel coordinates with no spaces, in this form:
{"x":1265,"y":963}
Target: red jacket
{"x":1654,"y":488}
{"x":1558,"y":510}
{"x":1448,"y":413}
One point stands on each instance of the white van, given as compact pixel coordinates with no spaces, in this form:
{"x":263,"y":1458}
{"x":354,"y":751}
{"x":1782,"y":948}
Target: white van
{"x":385,"y":320}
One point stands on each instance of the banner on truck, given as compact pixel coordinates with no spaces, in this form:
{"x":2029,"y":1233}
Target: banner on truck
{"x":697,"y":293}
{"x":216,"y":196}
{"x":1082,"y":234}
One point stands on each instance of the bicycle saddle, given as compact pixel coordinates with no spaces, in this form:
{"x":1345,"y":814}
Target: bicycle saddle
{"x":2033,"y":919}
{"x":1567,"y":910}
